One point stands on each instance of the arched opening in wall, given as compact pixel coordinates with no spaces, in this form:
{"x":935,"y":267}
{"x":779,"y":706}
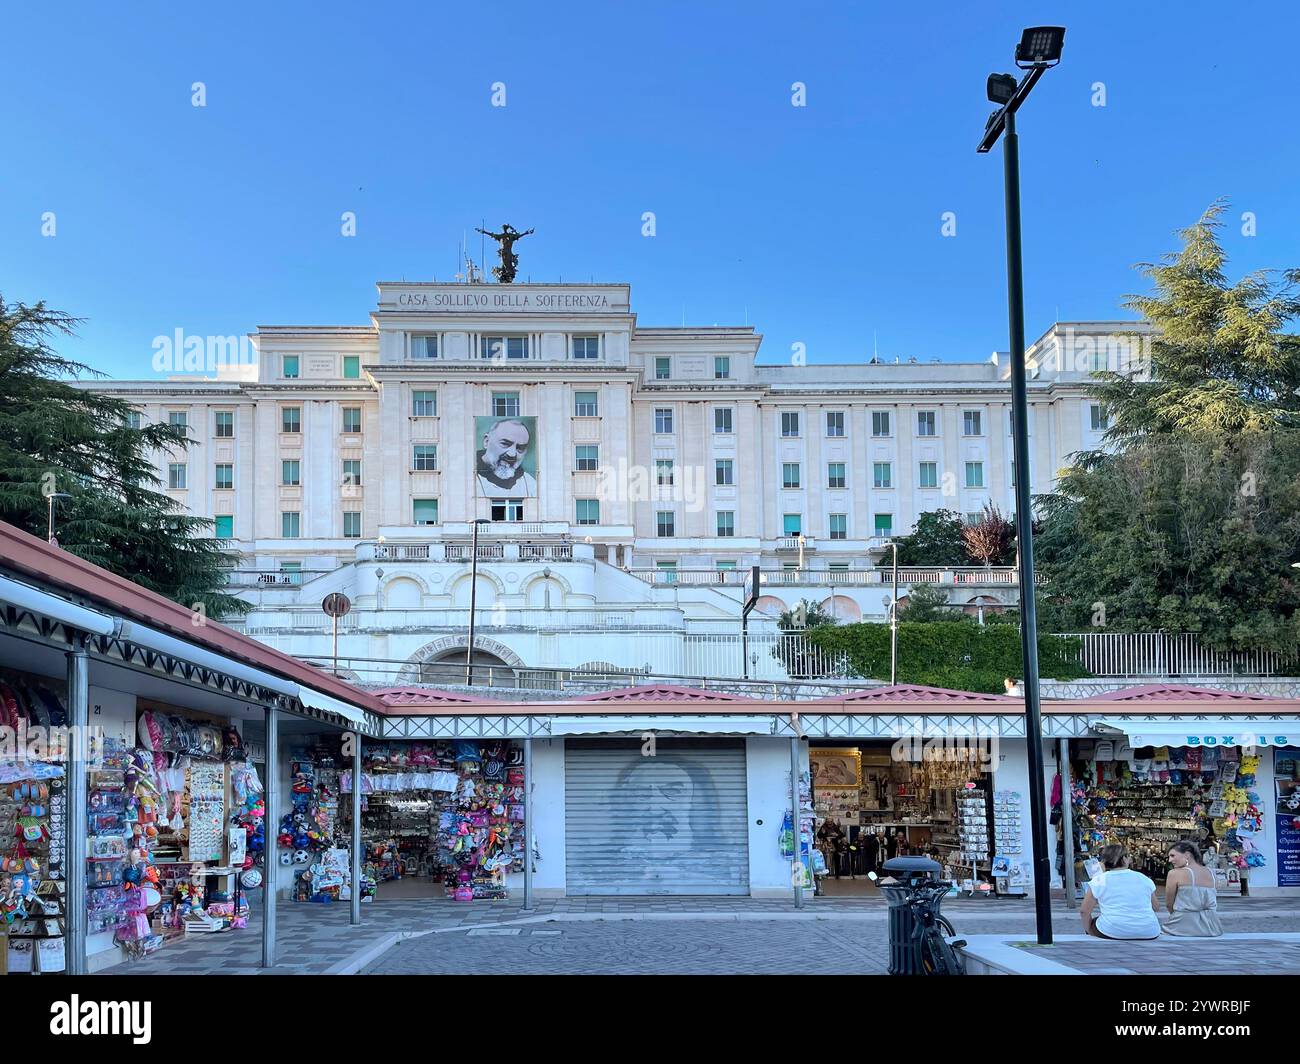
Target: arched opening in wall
{"x":843,"y":609}
{"x":403,"y":594}
{"x":487,"y":592}
{"x":448,"y":669}
{"x":545,"y":593}
{"x":770,"y":606}
{"x":982,"y":605}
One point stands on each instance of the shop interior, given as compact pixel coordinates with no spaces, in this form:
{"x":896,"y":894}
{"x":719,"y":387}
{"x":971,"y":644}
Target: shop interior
{"x":870,"y":806}
{"x":1149,"y":797}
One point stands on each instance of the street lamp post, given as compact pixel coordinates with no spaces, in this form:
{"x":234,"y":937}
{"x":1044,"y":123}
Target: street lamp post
{"x":1039,"y":49}
{"x":893,"y":622}
{"x":473,"y":598}
{"x":49,"y":525}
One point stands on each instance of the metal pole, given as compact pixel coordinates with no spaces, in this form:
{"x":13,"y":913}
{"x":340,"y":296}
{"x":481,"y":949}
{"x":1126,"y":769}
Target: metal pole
{"x":336,"y":644}
{"x":528,"y":825}
{"x":271,"y":818}
{"x":49,"y":524}
{"x":78,"y":677}
{"x":893,"y":622}
{"x":356,"y":827}
{"x":1025,"y":537}
{"x":796,"y":869}
{"x":1067,"y":821}
{"x":473,"y":599}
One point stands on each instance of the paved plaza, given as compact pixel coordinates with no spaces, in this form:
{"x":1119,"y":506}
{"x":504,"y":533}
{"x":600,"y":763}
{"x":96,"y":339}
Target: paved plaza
{"x":671,"y":936}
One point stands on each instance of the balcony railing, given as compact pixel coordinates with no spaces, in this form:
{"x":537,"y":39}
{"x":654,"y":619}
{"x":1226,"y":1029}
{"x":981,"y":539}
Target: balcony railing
{"x":909,"y":575}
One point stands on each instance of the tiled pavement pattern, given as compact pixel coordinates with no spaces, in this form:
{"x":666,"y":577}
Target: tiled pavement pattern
{"x":317,"y":939}
{"x":1171,"y":957}
{"x":658,"y":947}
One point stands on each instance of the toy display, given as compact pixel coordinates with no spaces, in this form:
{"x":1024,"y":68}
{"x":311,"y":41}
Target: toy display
{"x":1154,"y":796}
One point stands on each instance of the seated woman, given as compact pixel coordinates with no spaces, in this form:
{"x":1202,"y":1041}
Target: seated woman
{"x":1127,"y":900}
{"x":1189,"y":895}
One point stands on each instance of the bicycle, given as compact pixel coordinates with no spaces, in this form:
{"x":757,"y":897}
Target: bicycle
{"x":935,"y":938}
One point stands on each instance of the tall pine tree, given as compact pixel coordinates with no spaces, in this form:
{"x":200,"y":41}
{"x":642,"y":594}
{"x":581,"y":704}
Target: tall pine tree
{"x":1189,"y":518}
{"x":56,"y":437}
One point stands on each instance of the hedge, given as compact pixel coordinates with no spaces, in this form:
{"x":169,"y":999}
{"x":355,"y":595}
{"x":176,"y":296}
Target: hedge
{"x":962,"y":656}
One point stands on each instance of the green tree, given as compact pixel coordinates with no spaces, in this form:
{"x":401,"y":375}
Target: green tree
{"x":56,"y":437}
{"x":926,"y":604}
{"x":802,"y":620}
{"x":935,"y":540}
{"x":1189,"y":519}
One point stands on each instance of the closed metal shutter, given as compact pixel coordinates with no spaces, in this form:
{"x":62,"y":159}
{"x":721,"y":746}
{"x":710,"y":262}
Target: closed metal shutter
{"x":675,"y":823}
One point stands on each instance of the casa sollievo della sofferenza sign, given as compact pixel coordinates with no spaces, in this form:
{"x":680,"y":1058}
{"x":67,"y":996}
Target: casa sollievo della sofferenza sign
{"x":493,"y":297}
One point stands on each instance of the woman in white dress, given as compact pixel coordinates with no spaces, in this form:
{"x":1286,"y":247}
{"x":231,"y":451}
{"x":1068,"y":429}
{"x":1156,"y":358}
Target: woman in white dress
{"x":1120,"y":903}
{"x":1189,"y":895}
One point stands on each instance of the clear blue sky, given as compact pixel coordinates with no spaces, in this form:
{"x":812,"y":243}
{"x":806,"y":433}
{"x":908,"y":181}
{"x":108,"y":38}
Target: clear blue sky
{"x":818,"y":224}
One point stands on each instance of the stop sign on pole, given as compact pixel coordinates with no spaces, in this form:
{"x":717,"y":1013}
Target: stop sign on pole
{"x":336,"y":604}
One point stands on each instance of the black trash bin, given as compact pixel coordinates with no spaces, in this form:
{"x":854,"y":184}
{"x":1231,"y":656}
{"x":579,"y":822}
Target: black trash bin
{"x":904,"y":949}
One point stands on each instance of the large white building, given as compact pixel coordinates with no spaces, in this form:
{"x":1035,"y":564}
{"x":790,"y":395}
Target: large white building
{"x":629,"y":476}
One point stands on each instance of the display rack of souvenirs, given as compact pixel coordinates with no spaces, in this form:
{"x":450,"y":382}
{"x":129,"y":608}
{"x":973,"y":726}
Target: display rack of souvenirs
{"x":1009,"y":873}
{"x":1156,"y":796}
{"x":808,"y":854}
{"x":481,"y":837}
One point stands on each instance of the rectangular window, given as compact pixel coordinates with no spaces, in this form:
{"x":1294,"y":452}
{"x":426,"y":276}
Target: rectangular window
{"x":974,"y":474}
{"x":291,"y":419}
{"x":424,"y":511}
{"x":790,"y":474}
{"x":290,"y":524}
{"x":224,"y":526}
{"x":792,"y":524}
{"x":929,"y":474}
{"x":424,"y":346}
{"x":724,"y":472}
{"x":425,"y":457}
{"x":424,"y":404}
{"x":586,"y":347}
{"x":290,"y":472}
{"x":352,"y":471}
{"x":884,"y":525}
{"x":839,"y":526}
{"x":586,"y":458}
{"x":289,"y":367}
{"x":663,"y":368}
{"x":352,"y":419}
{"x":225,"y":476}
{"x":507,"y":510}
{"x":880,"y":422}
{"x":972,"y":423}
{"x":667,"y":572}
{"x":584,"y":404}
{"x":835,"y":423}
{"x":665,"y":523}
{"x":587,"y":511}
{"x":835,"y":475}
{"x":726,"y":522}
{"x":789,"y":423}
{"x":291,"y":573}
{"x":505,"y":404}
{"x":176,"y":476}
{"x":974,"y":518}
{"x":663,"y":420}
{"x":1099,"y":418}
{"x":882,"y":474}
{"x":721,"y":368}
{"x":499,"y":347}
{"x":351,"y":524}
{"x":351,"y":370}
{"x":664,"y":472}
{"x":177,"y":419}
{"x":133,"y":420}
{"x":225,"y":424}
{"x":925,"y":423}
{"x":725,"y":567}
{"x":722,"y":420}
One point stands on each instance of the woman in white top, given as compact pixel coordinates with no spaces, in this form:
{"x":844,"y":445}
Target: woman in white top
{"x":1127,"y":901}
{"x":1189,"y":894}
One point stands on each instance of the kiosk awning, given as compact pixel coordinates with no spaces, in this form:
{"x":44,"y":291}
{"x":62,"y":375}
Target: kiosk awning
{"x":1207,"y":731}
